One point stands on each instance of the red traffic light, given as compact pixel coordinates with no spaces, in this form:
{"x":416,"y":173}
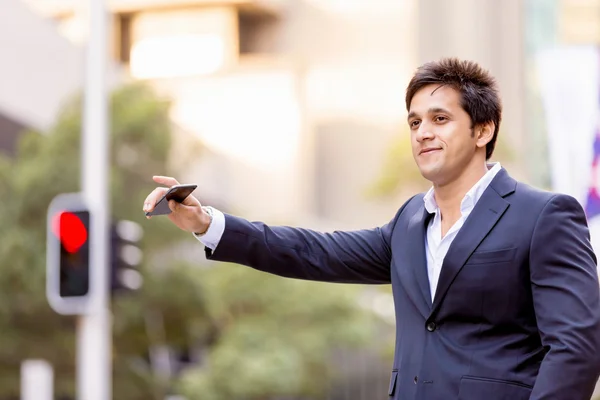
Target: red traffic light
{"x":71,"y":231}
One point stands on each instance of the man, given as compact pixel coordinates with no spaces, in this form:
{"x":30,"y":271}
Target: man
{"x":495,"y":283}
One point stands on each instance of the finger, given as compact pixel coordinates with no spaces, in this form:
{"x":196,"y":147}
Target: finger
{"x":153,"y":198}
{"x":165,"y":180}
{"x":191,"y":201}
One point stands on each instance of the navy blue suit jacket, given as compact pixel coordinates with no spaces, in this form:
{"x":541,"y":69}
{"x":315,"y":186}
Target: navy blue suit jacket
{"x":516,"y":314}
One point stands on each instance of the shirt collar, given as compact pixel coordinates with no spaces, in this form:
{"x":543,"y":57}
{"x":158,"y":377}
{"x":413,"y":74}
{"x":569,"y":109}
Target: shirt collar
{"x":471,"y":197}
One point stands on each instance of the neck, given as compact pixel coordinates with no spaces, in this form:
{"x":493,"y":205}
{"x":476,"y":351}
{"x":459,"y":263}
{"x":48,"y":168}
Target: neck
{"x":448,"y":196}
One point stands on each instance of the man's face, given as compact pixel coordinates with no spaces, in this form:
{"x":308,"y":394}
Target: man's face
{"x":443,"y":143}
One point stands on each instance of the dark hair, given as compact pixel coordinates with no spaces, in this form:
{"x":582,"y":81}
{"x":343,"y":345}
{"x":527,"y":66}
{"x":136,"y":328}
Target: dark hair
{"x":478,"y":90}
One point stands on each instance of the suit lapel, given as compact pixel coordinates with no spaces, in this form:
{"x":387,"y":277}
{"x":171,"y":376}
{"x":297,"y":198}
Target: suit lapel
{"x":417,"y":260}
{"x":488,"y":210}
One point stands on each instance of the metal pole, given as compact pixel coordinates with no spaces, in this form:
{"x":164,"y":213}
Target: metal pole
{"x":94,"y":368}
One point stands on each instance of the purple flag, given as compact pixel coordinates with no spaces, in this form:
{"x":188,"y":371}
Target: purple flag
{"x":592,"y":205}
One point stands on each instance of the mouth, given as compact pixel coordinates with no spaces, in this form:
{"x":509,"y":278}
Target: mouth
{"x":430,"y":150}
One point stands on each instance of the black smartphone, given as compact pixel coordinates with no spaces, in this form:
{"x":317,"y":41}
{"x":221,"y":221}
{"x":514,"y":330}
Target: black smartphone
{"x":177,"y":193}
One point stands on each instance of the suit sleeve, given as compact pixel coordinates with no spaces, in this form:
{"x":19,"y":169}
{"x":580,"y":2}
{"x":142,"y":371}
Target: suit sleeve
{"x":566,"y":297}
{"x":361,"y":256}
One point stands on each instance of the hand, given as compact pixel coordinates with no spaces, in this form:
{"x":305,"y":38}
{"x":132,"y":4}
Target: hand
{"x":188,"y":216}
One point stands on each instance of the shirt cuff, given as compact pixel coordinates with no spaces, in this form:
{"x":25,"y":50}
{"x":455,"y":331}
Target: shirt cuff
{"x":213,"y":234}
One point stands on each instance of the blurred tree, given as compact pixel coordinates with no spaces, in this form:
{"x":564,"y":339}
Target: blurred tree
{"x":276,"y":335}
{"x":270,"y":334}
{"x":45,"y":165}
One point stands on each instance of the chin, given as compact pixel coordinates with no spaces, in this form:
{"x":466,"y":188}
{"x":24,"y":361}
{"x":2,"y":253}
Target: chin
{"x":437,"y":177}
{"x":430,"y":177}
{"x":430,"y":172}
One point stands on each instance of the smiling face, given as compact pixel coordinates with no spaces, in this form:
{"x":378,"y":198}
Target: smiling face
{"x":445,"y":145}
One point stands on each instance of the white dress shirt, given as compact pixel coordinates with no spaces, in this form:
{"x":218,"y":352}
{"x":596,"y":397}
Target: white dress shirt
{"x":436,"y":247}
{"x":215,"y":230}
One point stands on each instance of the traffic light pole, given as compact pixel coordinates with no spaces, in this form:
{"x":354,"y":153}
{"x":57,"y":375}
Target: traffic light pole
{"x":94,"y":333}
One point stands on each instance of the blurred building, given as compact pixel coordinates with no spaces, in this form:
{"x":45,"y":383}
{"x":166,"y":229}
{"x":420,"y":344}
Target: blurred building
{"x":30,"y":95}
{"x":492,"y":33}
{"x":40,"y":69}
{"x":296,"y":101}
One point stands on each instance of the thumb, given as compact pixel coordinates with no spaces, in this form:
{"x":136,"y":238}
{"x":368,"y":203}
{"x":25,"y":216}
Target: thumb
{"x":174,"y":206}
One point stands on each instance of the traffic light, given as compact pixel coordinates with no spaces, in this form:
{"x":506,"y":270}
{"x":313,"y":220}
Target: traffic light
{"x":126,"y":256}
{"x":69,"y":254}
{"x":72,"y":228}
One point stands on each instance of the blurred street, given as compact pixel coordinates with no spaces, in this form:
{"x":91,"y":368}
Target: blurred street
{"x":290,"y":112}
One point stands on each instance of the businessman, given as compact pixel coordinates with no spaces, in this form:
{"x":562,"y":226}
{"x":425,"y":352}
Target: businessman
{"x":495,"y":282}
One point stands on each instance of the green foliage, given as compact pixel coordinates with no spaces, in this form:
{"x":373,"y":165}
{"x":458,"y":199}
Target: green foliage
{"x":45,"y":165}
{"x":271,"y":334}
{"x":275,"y":335}
{"x":398,"y":169}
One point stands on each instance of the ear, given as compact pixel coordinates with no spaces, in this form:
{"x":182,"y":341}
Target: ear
{"x":484,"y":133}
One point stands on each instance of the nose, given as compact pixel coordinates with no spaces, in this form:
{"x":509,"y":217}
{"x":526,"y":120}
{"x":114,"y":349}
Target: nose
{"x":424,"y":133}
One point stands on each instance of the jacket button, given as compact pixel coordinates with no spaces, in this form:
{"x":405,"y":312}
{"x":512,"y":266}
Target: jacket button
{"x":431,"y":326}
{"x":416,"y":379}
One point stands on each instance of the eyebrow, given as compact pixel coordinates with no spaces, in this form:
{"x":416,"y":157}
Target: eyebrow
{"x":433,"y":110}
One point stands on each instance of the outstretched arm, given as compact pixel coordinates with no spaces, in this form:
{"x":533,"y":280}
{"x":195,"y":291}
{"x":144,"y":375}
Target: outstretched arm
{"x":362,"y":256}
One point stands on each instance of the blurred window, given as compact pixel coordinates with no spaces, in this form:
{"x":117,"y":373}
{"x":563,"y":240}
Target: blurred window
{"x":180,"y":55}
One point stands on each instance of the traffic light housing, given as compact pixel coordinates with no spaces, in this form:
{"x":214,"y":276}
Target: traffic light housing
{"x":126,"y":256}
{"x":69,"y":254}
{"x":70,"y":283}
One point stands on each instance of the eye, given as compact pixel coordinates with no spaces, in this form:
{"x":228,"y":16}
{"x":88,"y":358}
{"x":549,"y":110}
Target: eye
{"x":414,"y":123}
{"x":440,"y":119}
